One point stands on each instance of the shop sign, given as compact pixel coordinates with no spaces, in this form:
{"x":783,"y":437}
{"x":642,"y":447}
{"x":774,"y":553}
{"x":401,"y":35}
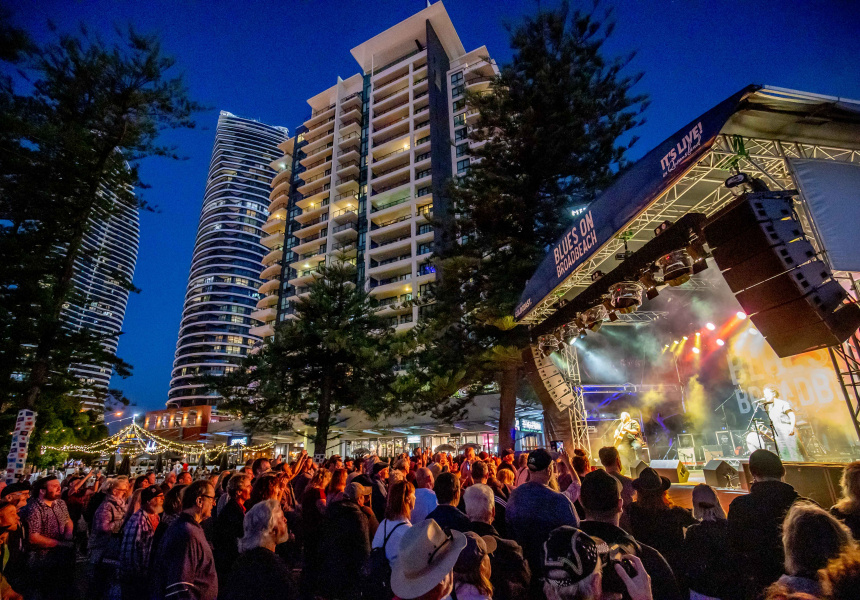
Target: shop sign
{"x":239,"y":441}
{"x":413,"y":439}
{"x":529,"y":425}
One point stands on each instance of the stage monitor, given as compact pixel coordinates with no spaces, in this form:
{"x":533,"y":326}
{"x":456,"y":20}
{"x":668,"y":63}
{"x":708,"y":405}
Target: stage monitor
{"x":831,"y":190}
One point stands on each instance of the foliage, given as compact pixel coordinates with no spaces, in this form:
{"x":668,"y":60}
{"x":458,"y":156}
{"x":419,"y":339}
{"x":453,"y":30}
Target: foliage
{"x":76,"y":118}
{"x":547,"y":139}
{"x":336,"y":354}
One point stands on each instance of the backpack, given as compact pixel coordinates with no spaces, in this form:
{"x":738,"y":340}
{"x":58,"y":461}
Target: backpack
{"x":376,"y":573}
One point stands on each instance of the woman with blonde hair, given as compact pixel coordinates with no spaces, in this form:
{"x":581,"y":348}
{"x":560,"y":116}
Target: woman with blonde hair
{"x":706,"y":545}
{"x":811,"y":537}
{"x":847,"y":509}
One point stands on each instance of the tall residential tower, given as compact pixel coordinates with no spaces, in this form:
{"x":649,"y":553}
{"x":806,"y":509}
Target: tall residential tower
{"x":364,"y":178}
{"x":214,"y":333}
{"x":109,"y":249}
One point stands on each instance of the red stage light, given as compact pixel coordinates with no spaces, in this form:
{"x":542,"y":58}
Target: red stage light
{"x":720,"y":343}
{"x":741,"y":315}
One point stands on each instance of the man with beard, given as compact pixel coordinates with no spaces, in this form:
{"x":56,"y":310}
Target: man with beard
{"x":136,"y":548}
{"x":50,"y":535}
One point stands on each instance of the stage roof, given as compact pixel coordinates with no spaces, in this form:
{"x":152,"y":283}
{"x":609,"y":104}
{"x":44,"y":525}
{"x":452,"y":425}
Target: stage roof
{"x":758,"y":129}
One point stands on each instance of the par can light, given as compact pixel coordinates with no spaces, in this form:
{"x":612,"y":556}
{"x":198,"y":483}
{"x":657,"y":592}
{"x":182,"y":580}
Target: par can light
{"x":676,"y":267}
{"x":626,"y":296}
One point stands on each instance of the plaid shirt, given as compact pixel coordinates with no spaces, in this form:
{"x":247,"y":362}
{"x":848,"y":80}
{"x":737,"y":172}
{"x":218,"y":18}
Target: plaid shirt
{"x":137,"y":537}
{"x":49,"y":521}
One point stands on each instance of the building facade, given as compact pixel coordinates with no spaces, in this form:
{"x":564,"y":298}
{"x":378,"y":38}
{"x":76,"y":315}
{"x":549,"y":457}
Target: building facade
{"x":215,"y":331}
{"x":99,"y":299}
{"x":363,"y":180}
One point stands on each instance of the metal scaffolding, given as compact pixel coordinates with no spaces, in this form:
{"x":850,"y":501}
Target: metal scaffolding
{"x":577,"y":416}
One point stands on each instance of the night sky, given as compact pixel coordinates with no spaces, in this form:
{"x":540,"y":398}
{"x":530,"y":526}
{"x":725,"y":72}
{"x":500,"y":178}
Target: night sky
{"x":262,"y":60}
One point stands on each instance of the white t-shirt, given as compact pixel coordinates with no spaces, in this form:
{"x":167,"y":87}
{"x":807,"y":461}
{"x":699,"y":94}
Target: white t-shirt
{"x":386,"y":527}
{"x":425,"y":503}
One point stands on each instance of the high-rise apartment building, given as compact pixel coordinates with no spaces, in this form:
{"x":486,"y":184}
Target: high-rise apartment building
{"x":215,"y":331}
{"x":99,"y":300}
{"x":364,"y":178}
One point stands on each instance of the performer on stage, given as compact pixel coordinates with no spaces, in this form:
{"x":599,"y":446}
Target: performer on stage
{"x":628,"y":440}
{"x":782,"y":416}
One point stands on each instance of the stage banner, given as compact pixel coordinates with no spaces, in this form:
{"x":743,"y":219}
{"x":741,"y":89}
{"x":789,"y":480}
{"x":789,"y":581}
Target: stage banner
{"x":807,"y":382}
{"x":631,"y":194}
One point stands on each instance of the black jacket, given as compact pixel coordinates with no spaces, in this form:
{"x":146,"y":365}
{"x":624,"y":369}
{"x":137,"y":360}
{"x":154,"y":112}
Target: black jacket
{"x":706,"y":569}
{"x":259,"y":574}
{"x":226,"y":531}
{"x":663,"y":583}
{"x":511,"y":575}
{"x":755,"y":524}
{"x":450,"y":517}
{"x":344,"y":548}
{"x":379,"y":498}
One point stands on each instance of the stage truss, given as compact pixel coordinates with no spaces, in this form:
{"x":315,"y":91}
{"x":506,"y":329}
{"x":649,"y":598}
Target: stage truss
{"x":701,"y":189}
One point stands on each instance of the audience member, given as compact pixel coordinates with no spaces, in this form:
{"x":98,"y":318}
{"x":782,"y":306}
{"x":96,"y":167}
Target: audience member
{"x":534,"y":509}
{"x":446,"y":514}
{"x":847,"y":509}
{"x":12,"y":578}
{"x":706,"y":571}
{"x":379,"y":474}
{"x":840,"y":580}
{"x":184,"y":565}
{"x":425,"y":497}
{"x":345,"y":545}
{"x":755,"y":524}
{"x":258,"y":573}
{"x":510,"y":575}
{"x":136,"y":549}
{"x":610,"y":458}
{"x":228,"y":528}
{"x":432,"y":579}
{"x":472,"y":569}
{"x":401,"y":500}
{"x":50,"y":533}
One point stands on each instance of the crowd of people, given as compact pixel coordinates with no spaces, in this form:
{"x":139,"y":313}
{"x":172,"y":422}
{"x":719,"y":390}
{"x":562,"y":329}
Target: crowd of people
{"x":527,"y":526}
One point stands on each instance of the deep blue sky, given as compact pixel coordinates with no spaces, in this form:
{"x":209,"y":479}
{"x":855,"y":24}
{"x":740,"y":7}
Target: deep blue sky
{"x":262,"y":60}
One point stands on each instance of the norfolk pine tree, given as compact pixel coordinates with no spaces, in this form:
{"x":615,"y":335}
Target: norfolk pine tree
{"x":550,"y":127}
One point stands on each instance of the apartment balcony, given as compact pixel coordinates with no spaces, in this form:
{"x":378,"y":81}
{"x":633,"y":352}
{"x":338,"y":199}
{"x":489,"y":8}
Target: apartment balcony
{"x":350,"y":103}
{"x":309,"y":244}
{"x":314,"y":181}
{"x":263,"y":331}
{"x":315,"y":168}
{"x":349,"y":153}
{"x":383,"y":86}
{"x":312,"y":213}
{"x":347,"y":183}
{"x":318,"y":139}
{"x":281,"y":177}
{"x":400,"y":64}
{"x":383,"y":154}
{"x":309,"y":260}
{"x":392,"y":130}
{"x":390,"y":115}
{"x":270,"y":287}
{"x":385,"y":246}
{"x":313,"y":159}
{"x":345,"y":215}
{"x":347,"y":249}
{"x":348,"y":141}
{"x":273,"y":239}
{"x":345,"y":232}
{"x":350,"y":125}
{"x":288,"y":146}
{"x":384,"y":205}
{"x":348,"y":168}
{"x":276,"y":221}
{"x":391,"y":224}
{"x":273,"y":271}
{"x":399,"y":283}
{"x":275,"y":255}
{"x":388,"y":168}
{"x":390,"y":267}
{"x":304,"y":277}
{"x":278,"y":202}
{"x":312,"y":227}
{"x":391,"y":183}
{"x":267,"y":301}
{"x":319,"y":116}
{"x":265,"y":314}
{"x":316,"y":196}
{"x":282,"y":188}
{"x":476,"y":82}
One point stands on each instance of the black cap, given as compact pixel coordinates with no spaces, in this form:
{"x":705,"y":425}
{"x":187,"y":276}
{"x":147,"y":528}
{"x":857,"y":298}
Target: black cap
{"x":378,"y":467}
{"x":764,"y":463}
{"x":569,"y":556}
{"x":600,"y":491}
{"x":14,"y":488}
{"x":539,"y":460}
{"x":149,"y":493}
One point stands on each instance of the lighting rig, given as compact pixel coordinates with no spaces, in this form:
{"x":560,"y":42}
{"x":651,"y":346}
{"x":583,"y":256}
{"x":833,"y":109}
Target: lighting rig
{"x":676,"y":253}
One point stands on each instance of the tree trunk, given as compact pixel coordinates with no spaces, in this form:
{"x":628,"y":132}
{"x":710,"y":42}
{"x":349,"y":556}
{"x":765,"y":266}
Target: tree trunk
{"x":507,"y":406}
{"x":323,"y":418}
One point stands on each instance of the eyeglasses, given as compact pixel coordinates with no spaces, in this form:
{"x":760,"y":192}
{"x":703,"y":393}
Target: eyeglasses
{"x":210,"y":497}
{"x":450,"y":538}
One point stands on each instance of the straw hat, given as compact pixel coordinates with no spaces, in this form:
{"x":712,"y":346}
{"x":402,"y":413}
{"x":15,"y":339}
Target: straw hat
{"x":426,"y":555}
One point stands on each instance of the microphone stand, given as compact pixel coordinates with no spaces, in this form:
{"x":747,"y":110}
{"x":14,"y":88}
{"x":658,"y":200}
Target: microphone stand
{"x":773,"y":430}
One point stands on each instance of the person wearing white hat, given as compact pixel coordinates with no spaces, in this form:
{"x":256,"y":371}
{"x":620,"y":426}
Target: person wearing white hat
{"x":424,"y":569}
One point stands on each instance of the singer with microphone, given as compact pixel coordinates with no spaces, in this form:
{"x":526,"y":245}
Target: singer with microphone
{"x":628,"y":440}
{"x":782,"y":420}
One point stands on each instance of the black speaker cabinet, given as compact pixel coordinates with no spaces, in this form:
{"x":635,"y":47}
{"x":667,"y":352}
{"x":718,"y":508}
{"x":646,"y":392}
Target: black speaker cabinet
{"x":816,"y":481}
{"x":719,"y":473}
{"x":674,"y":470}
{"x":638,"y":468}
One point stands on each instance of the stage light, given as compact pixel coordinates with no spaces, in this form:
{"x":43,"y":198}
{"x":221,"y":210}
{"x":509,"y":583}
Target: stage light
{"x":625,"y":297}
{"x":741,"y":315}
{"x":684,"y":338}
{"x":675,"y":343}
{"x":710,"y":326}
{"x":753,"y":331}
{"x":720,"y":343}
{"x":594,"y":317}
{"x":676,"y":267}
{"x":646,"y":278}
{"x":698,"y":334}
{"x":695,"y":350}
{"x":547,"y":345}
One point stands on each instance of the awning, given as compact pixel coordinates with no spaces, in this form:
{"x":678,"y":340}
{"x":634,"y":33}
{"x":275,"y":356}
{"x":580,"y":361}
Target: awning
{"x":755,"y":111}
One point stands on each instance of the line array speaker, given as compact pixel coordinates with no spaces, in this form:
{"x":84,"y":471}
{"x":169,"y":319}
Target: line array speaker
{"x":789,"y":294}
{"x":547,"y":380}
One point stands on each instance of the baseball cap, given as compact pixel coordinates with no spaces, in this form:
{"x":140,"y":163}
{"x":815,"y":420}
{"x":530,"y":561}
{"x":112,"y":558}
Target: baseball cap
{"x":380,"y":466}
{"x":477,"y":547}
{"x":507,"y":452}
{"x":569,"y":556}
{"x":149,"y":493}
{"x":539,"y":460}
{"x":355,"y":490}
{"x":600,"y":491}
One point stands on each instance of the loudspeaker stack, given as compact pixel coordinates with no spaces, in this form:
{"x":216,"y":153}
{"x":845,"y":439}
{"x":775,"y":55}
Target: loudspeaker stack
{"x":775,"y":273}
